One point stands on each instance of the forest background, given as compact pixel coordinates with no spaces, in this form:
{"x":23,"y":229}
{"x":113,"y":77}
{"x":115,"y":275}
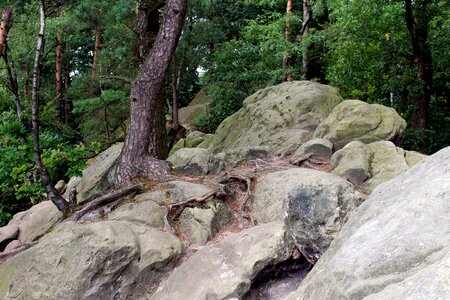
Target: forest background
{"x":394,"y":53}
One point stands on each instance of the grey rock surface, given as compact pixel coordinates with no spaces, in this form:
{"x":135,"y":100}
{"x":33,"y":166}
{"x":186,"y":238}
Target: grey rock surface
{"x":36,"y":221}
{"x":355,"y":120}
{"x":397,"y":243}
{"x":225,"y":270}
{"x":316,"y":150}
{"x":140,"y":212}
{"x":9,"y":232}
{"x":193,"y":161}
{"x":100,"y":175}
{"x":277,"y":117}
{"x":352,"y":162}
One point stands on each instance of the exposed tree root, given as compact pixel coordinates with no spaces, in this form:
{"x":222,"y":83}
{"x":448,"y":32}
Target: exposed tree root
{"x":247,"y":180}
{"x":106,"y":199}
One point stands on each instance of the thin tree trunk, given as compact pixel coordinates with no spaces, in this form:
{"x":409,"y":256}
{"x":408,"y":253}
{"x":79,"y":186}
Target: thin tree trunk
{"x":176,"y":124}
{"x":4,"y":28}
{"x":26,"y":84}
{"x":108,"y":132}
{"x":53,"y":194}
{"x":287,"y":60}
{"x":417,"y":22}
{"x":97,"y":45}
{"x":58,"y":75}
{"x":305,"y":28}
{"x":136,"y":158}
{"x":13,"y":82}
{"x":67,"y":103}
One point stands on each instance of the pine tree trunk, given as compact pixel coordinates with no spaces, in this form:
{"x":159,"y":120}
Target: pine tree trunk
{"x":58,"y":75}
{"x":97,"y":45}
{"x":417,"y":22}
{"x":287,"y":60}
{"x":4,"y":28}
{"x":137,"y":159}
{"x":53,"y":194}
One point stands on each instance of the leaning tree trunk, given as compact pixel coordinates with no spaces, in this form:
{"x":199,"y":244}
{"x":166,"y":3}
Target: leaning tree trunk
{"x":136,"y":159}
{"x":4,"y":28}
{"x":53,"y":194}
{"x":287,"y":60}
{"x":58,"y":75}
{"x":417,"y":22}
{"x":13,"y":82}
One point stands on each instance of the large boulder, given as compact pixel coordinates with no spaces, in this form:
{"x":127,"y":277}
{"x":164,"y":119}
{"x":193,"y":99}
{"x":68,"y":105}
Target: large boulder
{"x":192,"y":140}
{"x":140,"y":212}
{"x":193,"y":161}
{"x":103,"y":260}
{"x":315,"y":150}
{"x":100,"y":175}
{"x":397,"y":243}
{"x":284,"y":186}
{"x":370,"y":165}
{"x":36,"y":221}
{"x":355,"y":120}
{"x":225,"y":270}
{"x":277,"y":117}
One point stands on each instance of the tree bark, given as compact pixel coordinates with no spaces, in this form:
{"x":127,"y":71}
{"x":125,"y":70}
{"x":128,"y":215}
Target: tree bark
{"x":175,"y":122}
{"x":53,"y":194}
{"x":67,"y":103}
{"x":98,"y":42}
{"x":287,"y":60}
{"x":13,"y":82}
{"x":305,"y":28}
{"x":137,"y":157}
{"x":4,"y":28}
{"x":417,"y":21}
{"x":58,"y":75}
{"x":147,"y":12}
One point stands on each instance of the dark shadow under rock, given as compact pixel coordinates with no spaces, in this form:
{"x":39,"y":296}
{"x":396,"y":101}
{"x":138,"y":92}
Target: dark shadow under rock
{"x":276,"y":282}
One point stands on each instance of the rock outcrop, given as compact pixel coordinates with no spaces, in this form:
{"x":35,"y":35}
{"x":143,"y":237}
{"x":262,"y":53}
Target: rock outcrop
{"x":355,"y":120}
{"x":396,"y":245}
{"x":194,"y":161}
{"x":225,"y":270}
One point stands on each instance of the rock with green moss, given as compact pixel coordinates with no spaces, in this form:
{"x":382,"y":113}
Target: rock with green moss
{"x":315,"y":150}
{"x":194,"y":139}
{"x":196,"y":108}
{"x":193,"y":161}
{"x":355,"y":120}
{"x":352,"y":162}
{"x":277,"y":117}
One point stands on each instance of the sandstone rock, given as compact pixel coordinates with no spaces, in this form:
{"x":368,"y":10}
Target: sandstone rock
{"x":100,"y":176}
{"x":196,"y":108}
{"x":225,"y":270}
{"x":155,"y":196}
{"x":276,"y":117}
{"x":145,"y":212}
{"x":61,"y":186}
{"x":194,"y":139}
{"x":396,"y":245}
{"x":413,"y":158}
{"x":73,"y":183}
{"x":192,"y":161}
{"x":180,"y":190}
{"x":12,"y":245}
{"x":8,"y":233}
{"x":352,"y":162}
{"x":201,"y":224}
{"x":279,"y":187}
{"x":36,"y":221}
{"x":72,"y":262}
{"x":234,"y":157}
{"x":315,"y":209}
{"x":355,"y":120}
{"x":319,"y":150}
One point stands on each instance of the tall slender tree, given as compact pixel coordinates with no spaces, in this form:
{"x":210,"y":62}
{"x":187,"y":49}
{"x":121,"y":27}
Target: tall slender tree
{"x":4,"y":27}
{"x":137,"y":157}
{"x":58,"y":79}
{"x":53,"y":194}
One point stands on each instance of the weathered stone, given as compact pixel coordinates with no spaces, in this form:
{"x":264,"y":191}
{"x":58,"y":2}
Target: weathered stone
{"x":278,"y":187}
{"x":145,"y":212}
{"x":192,"y":161}
{"x":73,"y":183}
{"x":318,"y":150}
{"x":201,"y":224}
{"x":272,"y":115}
{"x":196,"y":108}
{"x":8,"y":233}
{"x":74,"y":261}
{"x":61,"y":186}
{"x":315,"y":208}
{"x":181,"y":190}
{"x":413,"y":158}
{"x":155,"y":196}
{"x":159,"y":252}
{"x":355,"y":120}
{"x":396,"y":245}
{"x":36,"y":221}
{"x":13,"y":245}
{"x":194,"y":139}
{"x":234,"y":157}
{"x":352,"y":162}
{"x":100,"y":176}
{"x":387,"y":161}
{"x":225,"y":270}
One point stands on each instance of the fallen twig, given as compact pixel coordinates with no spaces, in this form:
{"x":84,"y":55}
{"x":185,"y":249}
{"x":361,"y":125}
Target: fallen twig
{"x":106,"y":199}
